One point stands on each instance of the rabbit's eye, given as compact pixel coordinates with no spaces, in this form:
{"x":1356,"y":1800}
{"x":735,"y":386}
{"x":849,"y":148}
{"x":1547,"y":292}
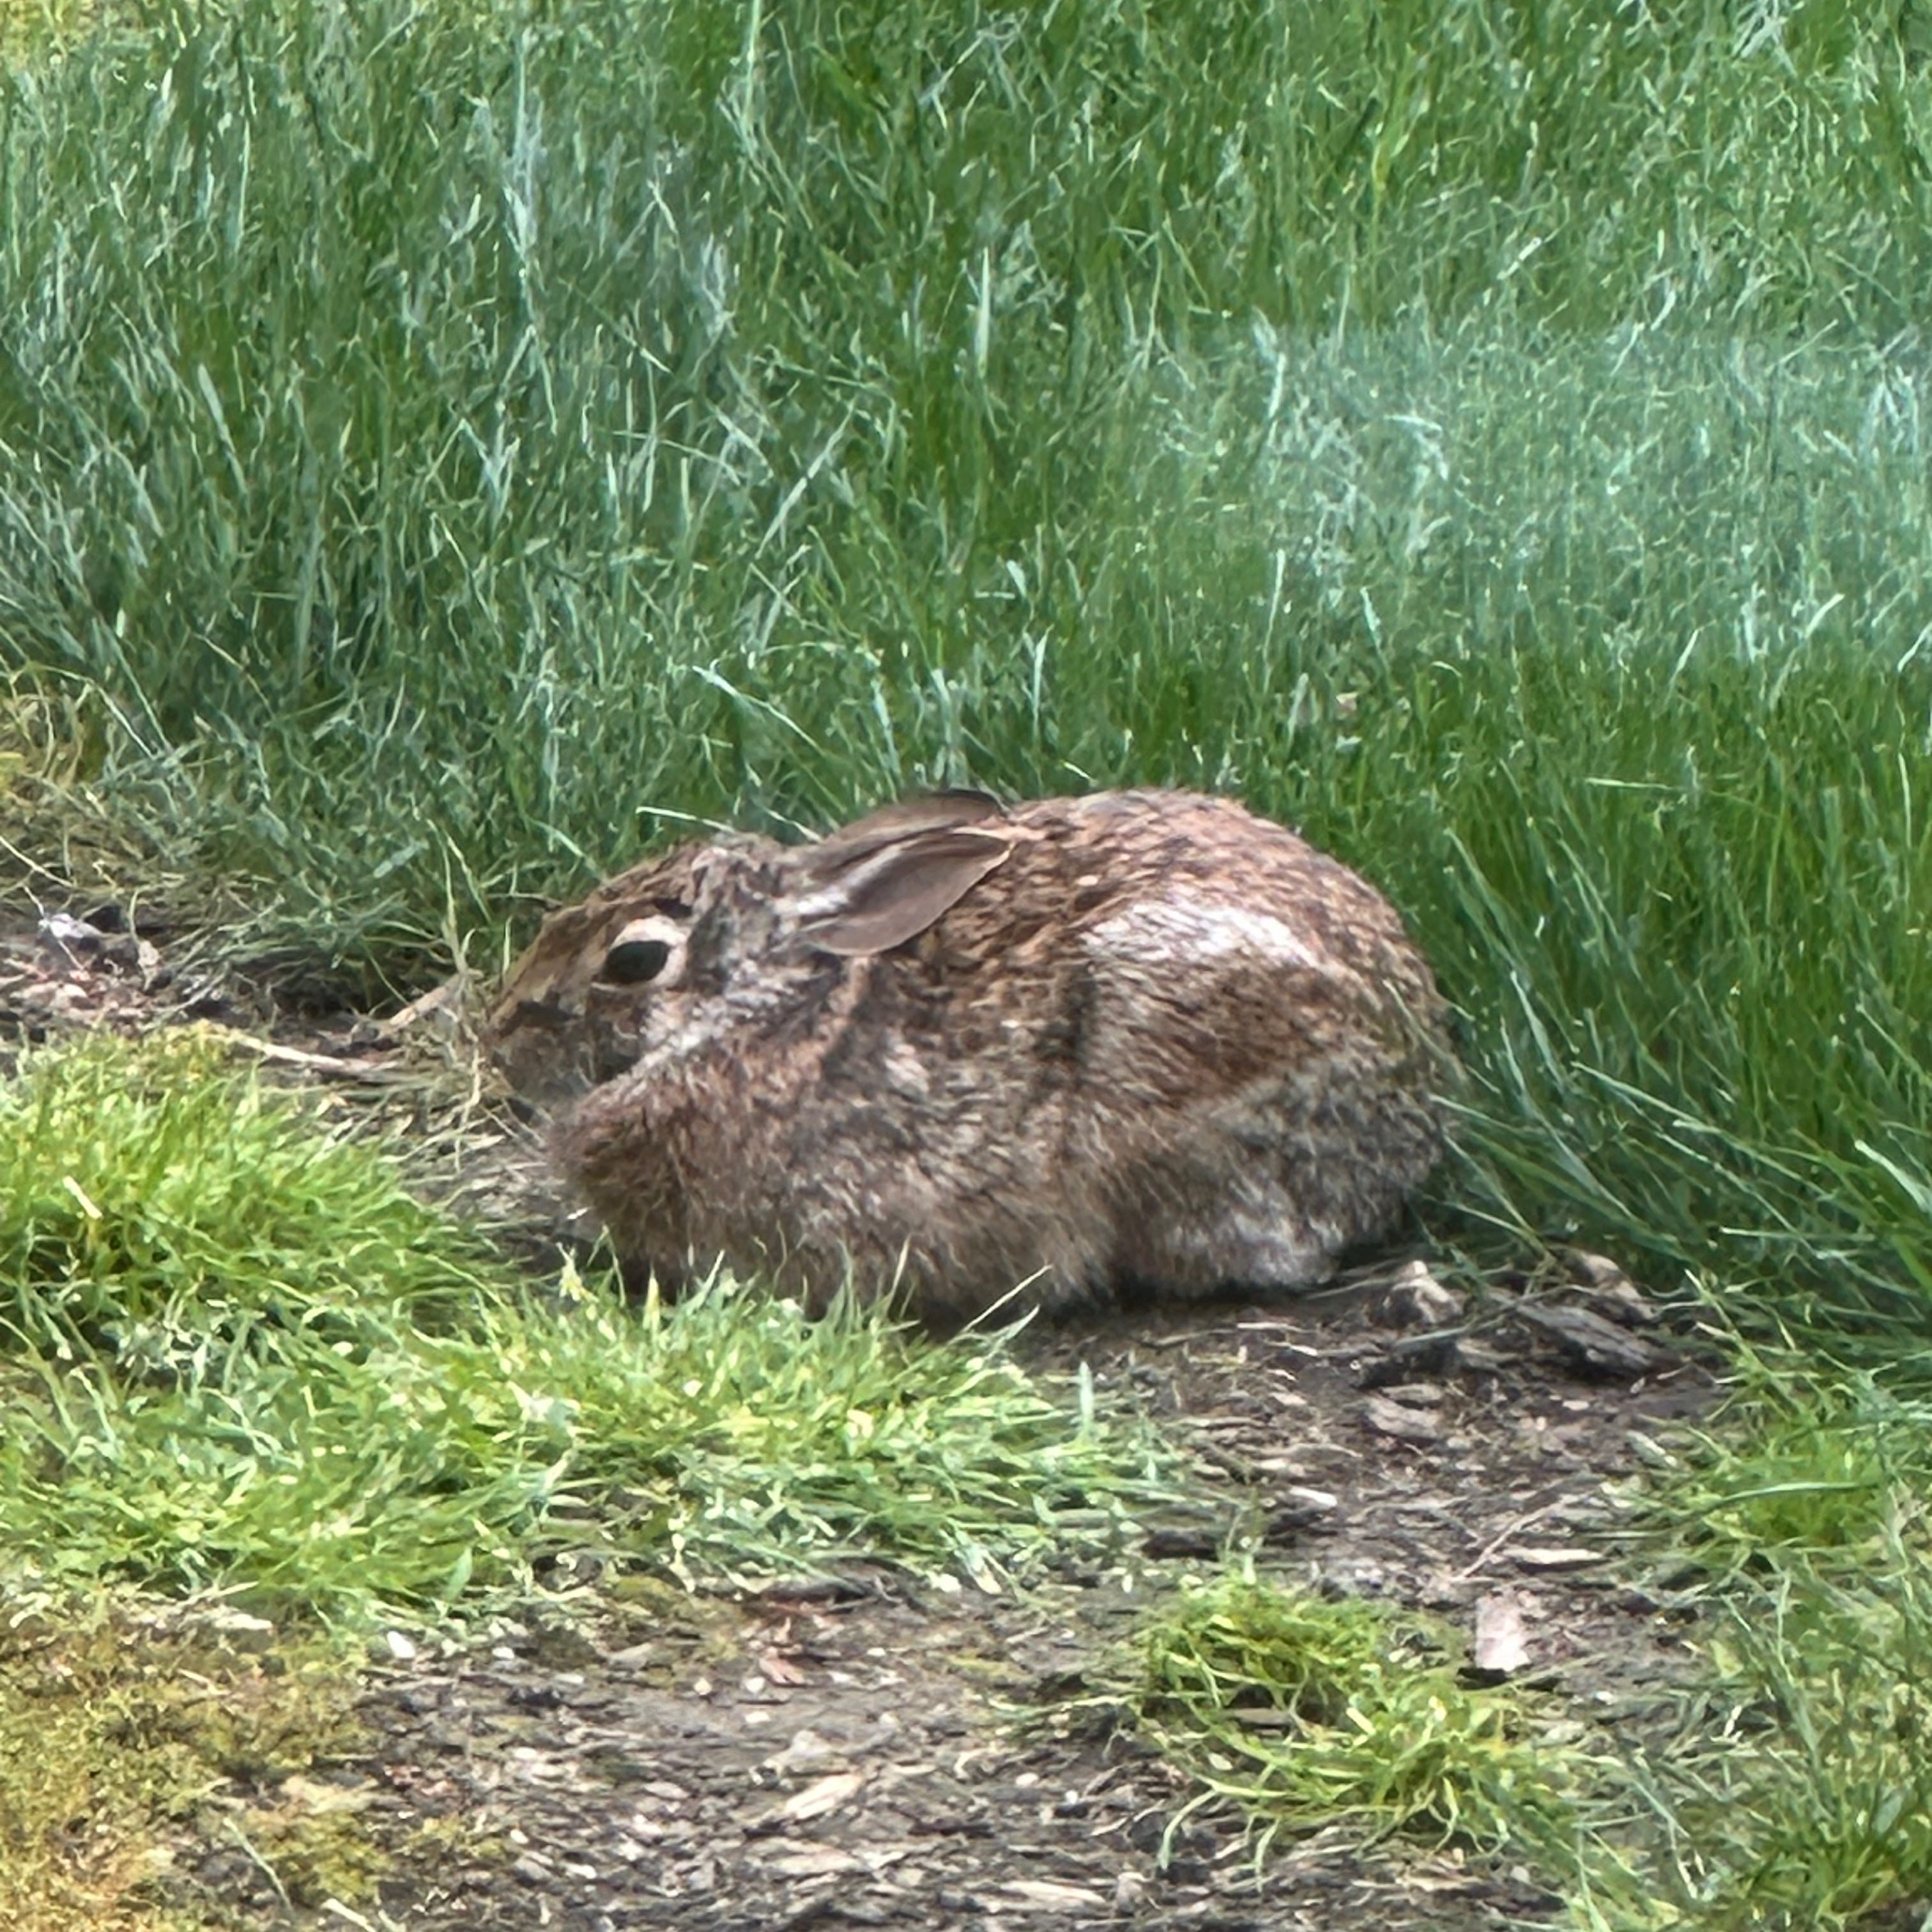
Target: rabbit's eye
{"x":632,"y":962}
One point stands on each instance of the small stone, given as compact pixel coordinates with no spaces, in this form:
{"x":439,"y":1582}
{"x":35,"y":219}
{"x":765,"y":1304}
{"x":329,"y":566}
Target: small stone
{"x":1502,"y":1646}
{"x":66,"y":941}
{"x":1317,"y":1502}
{"x":1416,"y":1299}
{"x":1596,"y":1270}
{"x":400,"y":1647}
{"x":238,"y":1630}
{"x":1612,"y":1293}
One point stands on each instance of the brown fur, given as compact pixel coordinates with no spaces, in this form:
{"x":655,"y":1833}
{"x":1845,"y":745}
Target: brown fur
{"x":1138,"y":1039}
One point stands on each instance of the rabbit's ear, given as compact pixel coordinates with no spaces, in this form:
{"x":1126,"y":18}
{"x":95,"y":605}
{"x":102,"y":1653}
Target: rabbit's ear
{"x":937,"y":811}
{"x":896,"y":892}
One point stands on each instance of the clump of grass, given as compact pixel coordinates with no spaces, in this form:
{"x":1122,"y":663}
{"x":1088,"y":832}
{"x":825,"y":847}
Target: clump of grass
{"x":244,"y":1358}
{"x":1825,"y":1472}
{"x":1306,"y":1711}
{"x":1796,"y":1790}
{"x":1804,"y":1799}
{"x":726,"y":1434}
{"x":734,"y":1430}
{"x":160,"y":1214}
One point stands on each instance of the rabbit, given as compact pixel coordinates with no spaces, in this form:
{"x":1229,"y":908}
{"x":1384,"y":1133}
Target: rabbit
{"x":972,"y":1055}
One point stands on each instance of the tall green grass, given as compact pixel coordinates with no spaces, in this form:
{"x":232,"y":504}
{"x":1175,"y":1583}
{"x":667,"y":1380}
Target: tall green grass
{"x":456,"y":442}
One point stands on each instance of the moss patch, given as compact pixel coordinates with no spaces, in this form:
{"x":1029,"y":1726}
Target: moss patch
{"x":128,"y":1741}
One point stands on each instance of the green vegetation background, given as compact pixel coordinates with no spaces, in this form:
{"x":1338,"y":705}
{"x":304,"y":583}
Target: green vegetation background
{"x":451,"y":443}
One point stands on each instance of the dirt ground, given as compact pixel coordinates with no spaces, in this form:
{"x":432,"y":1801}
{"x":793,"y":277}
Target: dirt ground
{"x":877,"y":1751}
{"x":861,"y":1754}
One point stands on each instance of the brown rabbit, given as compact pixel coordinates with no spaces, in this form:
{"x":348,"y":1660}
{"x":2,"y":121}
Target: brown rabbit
{"x":1141,"y":1038}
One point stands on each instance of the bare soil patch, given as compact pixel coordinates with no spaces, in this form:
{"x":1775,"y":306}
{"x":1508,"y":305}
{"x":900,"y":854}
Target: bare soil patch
{"x":877,"y":1751}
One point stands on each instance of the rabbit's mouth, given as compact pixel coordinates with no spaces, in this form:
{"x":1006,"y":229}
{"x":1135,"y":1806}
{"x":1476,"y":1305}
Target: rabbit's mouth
{"x":611,"y":1054}
{"x":541,"y":1050}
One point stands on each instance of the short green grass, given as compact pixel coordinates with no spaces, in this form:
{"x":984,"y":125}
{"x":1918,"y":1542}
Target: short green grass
{"x":1306,"y":1711}
{"x":241,"y":1357}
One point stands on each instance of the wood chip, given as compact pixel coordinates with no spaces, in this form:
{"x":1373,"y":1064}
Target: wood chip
{"x":1594,"y":1345}
{"x":1502,"y":1646}
{"x":1406,"y":1425}
{"x":814,"y":1862}
{"x":1553,"y":1556}
{"x":1042,"y":1894}
{"x":1478,"y":1358}
{"x":822,"y":1795}
{"x":806,"y":1751}
{"x":1409,"y":1356}
{"x":1296,"y":1510}
{"x":1416,"y":1394}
